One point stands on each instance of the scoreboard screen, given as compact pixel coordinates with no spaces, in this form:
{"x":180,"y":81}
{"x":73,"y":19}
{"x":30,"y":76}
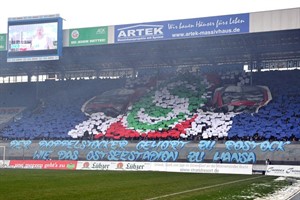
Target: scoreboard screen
{"x":34,"y":38}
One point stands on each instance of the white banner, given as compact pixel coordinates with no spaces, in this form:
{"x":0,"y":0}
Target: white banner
{"x":215,"y":168}
{"x":107,"y":165}
{"x":4,"y":164}
{"x":283,"y":170}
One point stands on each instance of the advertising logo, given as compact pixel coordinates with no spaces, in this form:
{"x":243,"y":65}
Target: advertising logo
{"x":100,"y":31}
{"x":140,"y":32}
{"x":86,"y":165}
{"x":292,"y":170}
{"x":120,"y":166}
{"x":275,"y":170}
{"x":75,"y":34}
{"x":135,"y":166}
{"x":71,"y":166}
{"x":100,"y":166}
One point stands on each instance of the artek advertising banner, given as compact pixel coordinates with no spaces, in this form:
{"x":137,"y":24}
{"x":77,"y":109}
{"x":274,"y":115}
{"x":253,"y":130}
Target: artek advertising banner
{"x":88,"y":36}
{"x":179,"y":29}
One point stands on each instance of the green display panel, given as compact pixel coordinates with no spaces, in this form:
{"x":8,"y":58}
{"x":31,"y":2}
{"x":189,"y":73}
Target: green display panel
{"x":88,"y":36}
{"x":2,"y":42}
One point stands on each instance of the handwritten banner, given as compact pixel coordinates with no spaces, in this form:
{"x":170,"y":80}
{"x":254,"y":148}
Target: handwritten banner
{"x":158,"y":151}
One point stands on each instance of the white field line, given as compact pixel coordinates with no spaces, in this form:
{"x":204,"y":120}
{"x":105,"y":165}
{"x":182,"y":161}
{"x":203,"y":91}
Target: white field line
{"x":294,"y":195}
{"x":202,"y":188}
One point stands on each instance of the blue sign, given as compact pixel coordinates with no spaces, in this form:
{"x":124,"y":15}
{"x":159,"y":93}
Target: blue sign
{"x":179,"y":29}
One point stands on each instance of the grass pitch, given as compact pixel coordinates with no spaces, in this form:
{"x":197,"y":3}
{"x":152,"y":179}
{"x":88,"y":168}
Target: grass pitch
{"x":99,"y":185}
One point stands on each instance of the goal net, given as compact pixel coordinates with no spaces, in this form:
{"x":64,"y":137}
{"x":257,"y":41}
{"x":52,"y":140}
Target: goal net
{"x":2,"y":156}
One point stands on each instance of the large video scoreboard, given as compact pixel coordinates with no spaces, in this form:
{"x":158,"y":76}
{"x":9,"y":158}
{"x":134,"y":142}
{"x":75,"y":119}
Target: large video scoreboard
{"x":34,"y":38}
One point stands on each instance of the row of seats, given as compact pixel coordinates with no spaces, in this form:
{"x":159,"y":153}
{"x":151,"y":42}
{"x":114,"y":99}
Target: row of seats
{"x":61,"y":110}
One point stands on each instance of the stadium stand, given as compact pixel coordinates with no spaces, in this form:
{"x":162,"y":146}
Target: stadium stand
{"x":230,"y":96}
{"x":59,"y":112}
{"x":179,"y":107}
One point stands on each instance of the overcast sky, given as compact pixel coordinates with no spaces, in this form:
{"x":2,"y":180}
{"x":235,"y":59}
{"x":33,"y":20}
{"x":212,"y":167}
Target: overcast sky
{"x":90,"y":13}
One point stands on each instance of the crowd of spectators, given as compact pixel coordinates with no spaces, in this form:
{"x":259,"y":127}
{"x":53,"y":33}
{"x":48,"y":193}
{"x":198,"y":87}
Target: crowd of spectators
{"x":178,"y":106}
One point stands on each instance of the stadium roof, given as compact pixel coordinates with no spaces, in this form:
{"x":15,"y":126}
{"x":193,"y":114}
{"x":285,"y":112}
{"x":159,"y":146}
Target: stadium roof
{"x":204,"y":51}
